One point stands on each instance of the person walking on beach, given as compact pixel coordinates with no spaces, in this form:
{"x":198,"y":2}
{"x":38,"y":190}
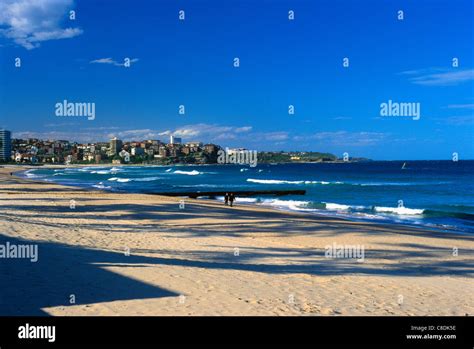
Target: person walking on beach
{"x":231,"y":199}
{"x":226,"y":199}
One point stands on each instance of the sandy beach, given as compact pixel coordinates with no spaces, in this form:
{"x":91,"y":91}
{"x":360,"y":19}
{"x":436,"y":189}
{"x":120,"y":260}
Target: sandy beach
{"x":136,"y":254}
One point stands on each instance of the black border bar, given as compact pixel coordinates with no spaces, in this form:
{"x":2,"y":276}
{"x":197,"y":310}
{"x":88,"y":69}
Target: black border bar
{"x":325,"y":332}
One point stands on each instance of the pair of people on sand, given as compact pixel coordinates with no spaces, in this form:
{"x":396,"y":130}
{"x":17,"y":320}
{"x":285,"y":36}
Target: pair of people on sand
{"x":229,"y":199}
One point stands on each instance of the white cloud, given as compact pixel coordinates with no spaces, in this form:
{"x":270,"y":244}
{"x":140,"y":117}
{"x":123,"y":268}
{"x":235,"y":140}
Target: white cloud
{"x":225,"y":137}
{"x":462,"y":120}
{"x":57,"y":135}
{"x":243,"y":129}
{"x":138,"y":134}
{"x":29,"y":22}
{"x":209,"y":131}
{"x":186,"y":132}
{"x":274,"y":136}
{"x":202,"y":132}
{"x":460,"y":106}
{"x":222,"y":135}
{"x":61,"y":124}
{"x":354,"y":139}
{"x":103,"y":60}
{"x":111,"y":61}
{"x":439,"y":77}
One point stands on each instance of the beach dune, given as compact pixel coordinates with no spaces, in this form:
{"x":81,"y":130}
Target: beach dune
{"x":103,"y":253}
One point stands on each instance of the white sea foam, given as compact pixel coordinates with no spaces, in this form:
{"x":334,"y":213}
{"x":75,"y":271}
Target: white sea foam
{"x":101,"y":185}
{"x":200,"y":186}
{"x":145,"y":179}
{"x":247,"y":200}
{"x":29,"y":174}
{"x":399,"y":210}
{"x":189,"y":173}
{"x":241,"y":200}
{"x":124,"y":180}
{"x":281,"y":181}
{"x":100,"y":170}
{"x":338,"y":207}
{"x":295,"y":205}
{"x":272,"y":181}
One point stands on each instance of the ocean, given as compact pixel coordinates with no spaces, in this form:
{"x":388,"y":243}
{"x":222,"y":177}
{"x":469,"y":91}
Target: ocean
{"x":437,"y":194}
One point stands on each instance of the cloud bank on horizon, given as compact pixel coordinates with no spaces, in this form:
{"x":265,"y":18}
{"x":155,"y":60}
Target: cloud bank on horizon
{"x":219,"y":134}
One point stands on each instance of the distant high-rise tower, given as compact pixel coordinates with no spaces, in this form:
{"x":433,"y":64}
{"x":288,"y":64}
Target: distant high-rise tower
{"x":115,"y":145}
{"x":175,"y":140}
{"x":5,"y":145}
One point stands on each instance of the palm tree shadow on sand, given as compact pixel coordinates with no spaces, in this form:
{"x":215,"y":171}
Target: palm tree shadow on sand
{"x":61,"y":271}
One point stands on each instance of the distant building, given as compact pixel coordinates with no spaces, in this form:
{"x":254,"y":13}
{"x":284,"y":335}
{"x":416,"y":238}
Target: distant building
{"x":115,"y":145}
{"x":234,"y":151}
{"x":194,"y":144}
{"x":210,"y":148}
{"x":102,"y":147}
{"x":175,"y":140}
{"x":5,"y":145}
{"x":193,"y":147}
{"x":163,"y":152}
{"x":137,"y":151}
{"x":150,"y":152}
{"x":88,"y":157}
{"x":125,"y":155}
{"x":174,"y":151}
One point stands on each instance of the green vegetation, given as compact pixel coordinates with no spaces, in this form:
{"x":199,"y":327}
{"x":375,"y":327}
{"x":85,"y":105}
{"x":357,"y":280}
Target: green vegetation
{"x":282,"y":157}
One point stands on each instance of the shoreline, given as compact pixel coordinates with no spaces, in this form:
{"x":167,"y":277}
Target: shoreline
{"x":209,"y":259}
{"x":202,"y":201}
{"x":57,"y":166}
{"x":330,"y":214}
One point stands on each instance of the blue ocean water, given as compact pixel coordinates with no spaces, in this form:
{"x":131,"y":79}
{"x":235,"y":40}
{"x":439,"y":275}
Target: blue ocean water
{"x":433,"y":193}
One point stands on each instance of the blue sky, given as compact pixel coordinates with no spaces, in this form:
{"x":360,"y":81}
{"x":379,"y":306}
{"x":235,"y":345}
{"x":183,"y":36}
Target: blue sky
{"x":282,"y":63}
